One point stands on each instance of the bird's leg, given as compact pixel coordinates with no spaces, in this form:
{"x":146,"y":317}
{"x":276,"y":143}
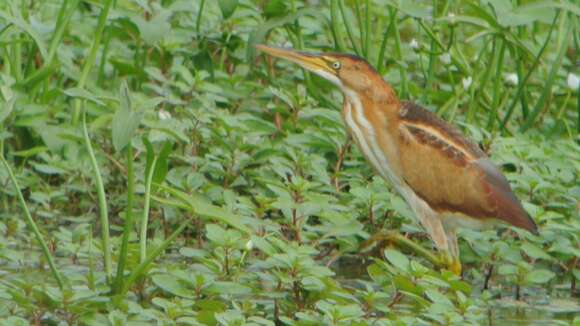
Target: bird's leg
{"x":455,"y":263}
{"x":401,"y":241}
{"x":445,"y":239}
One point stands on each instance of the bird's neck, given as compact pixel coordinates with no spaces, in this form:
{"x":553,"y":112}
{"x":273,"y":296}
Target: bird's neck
{"x":379,"y":92}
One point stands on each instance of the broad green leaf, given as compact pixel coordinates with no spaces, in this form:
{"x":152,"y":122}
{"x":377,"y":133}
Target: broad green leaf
{"x":535,"y":252}
{"x":539,"y":276}
{"x":228,"y":288}
{"x":24,"y":26}
{"x":7,"y":109}
{"x":155,"y":29}
{"x":397,"y":259}
{"x":437,"y":297}
{"x":259,"y":34}
{"x":126,"y":120}
{"x":276,"y":8}
{"x":172,"y":285}
{"x":216,"y":234}
{"x":31,"y":151}
{"x":228,"y":7}
{"x":83,"y":94}
{"x":48,"y":169}
{"x":205,"y":209}
{"x":526,"y":15}
{"x":507,"y":270}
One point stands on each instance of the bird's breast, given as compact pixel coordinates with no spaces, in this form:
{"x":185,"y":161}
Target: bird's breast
{"x":372,"y":138}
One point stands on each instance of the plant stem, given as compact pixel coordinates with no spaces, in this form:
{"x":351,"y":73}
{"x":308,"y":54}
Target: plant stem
{"x":140,"y":269}
{"x":400,"y":240}
{"x":348,"y":28}
{"x":381,"y":60}
{"x":128,"y":222}
{"x":336,"y":30}
{"x":361,"y":30}
{"x":145,"y":217}
{"x":32,"y":224}
{"x":547,"y":89}
{"x":198,"y":20}
{"x":399,"y":54}
{"x":367,"y":40}
{"x":91,"y":273}
{"x":497,"y":86}
{"x":525,"y":80}
{"x":89,"y":62}
{"x":103,"y":210}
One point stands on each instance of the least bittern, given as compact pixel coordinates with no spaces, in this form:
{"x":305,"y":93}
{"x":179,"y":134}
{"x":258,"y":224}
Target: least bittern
{"x":447,"y":180}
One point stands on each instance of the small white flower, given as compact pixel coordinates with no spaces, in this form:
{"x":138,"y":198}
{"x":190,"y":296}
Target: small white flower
{"x":466,"y":82}
{"x":414,"y":44}
{"x":451,"y":17}
{"x":445,"y":58}
{"x":573,"y":81}
{"x":511,"y":79}
{"x":249,"y":245}
{"x":163,"y":115}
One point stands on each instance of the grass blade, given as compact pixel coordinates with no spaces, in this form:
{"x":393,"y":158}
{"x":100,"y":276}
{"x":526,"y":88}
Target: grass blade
{"x":335,"y":25}
{"x":103,"y":208}
{"x":140,"y":269}
{"x":548,"y":86}
{"x":523,"y":82}
{"x":145,"y":217}
{"x":348,"y":28}
{"x":90,"y":60}
{"x":128,"y":222}
{"x":32,"y":224}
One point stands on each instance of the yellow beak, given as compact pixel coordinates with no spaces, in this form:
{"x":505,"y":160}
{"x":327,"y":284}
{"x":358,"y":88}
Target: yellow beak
{"x":309,"y":61}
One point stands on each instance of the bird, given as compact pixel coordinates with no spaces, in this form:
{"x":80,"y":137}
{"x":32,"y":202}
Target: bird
{"x":445,"y":178}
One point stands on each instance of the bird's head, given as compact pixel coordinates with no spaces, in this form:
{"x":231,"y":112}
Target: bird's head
{"x":349,"y":72}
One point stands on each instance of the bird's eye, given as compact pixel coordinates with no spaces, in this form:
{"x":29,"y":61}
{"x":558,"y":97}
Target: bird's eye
{"x":336,"y":65}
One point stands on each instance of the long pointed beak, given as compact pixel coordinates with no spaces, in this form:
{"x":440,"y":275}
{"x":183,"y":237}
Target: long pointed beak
{"x":309,"y":61}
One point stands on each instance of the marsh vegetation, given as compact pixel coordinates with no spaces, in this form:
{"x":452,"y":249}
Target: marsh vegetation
{"x":156,"y":169}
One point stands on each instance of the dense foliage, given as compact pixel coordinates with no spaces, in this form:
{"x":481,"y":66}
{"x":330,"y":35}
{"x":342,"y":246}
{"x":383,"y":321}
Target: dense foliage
{"x":157,"y":169}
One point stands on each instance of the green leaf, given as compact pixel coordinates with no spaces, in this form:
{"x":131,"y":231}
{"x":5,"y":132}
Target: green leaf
{"x":276,"y":8}
{"x":7,"y":109}
{"x":126,"y":120}
{"x":397,"y":259}
{"x":172,"y":285}
{"x":228,"y":7}
{"x":526,"y":15}
{"x":216,"y":234}
{"x":507,"y":270}
{"x":228,"y":288}
{"x":155,"y":29}
{"x":534,"y":251}
{"x":83,"y":94}
{"x":24,"y":26}
{"x":259,"y":34}
{"x":162,"y":165}
{"x":31,"y":151}
{"x":437,"y":297}
{"x":203,"y":208}
{"x":539,"y":276}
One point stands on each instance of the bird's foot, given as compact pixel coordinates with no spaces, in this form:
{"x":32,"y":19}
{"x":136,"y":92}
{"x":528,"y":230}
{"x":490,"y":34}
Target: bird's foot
{"x":453,"y":264}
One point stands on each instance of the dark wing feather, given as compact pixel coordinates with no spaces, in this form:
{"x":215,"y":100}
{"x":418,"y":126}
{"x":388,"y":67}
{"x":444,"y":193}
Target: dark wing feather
{"x":451,"y":173}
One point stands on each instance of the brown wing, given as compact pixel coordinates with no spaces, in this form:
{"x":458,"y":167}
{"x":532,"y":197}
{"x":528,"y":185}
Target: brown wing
{"x":451,"y":173}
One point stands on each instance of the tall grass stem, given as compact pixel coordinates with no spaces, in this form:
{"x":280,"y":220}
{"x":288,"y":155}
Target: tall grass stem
{"x":90,"y":60}
{"x":103,"y":208}
{"x":145,"y":216}
{"x":32,"y":224}
{"x":142,"y":267}
{"x":547,"y":88}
